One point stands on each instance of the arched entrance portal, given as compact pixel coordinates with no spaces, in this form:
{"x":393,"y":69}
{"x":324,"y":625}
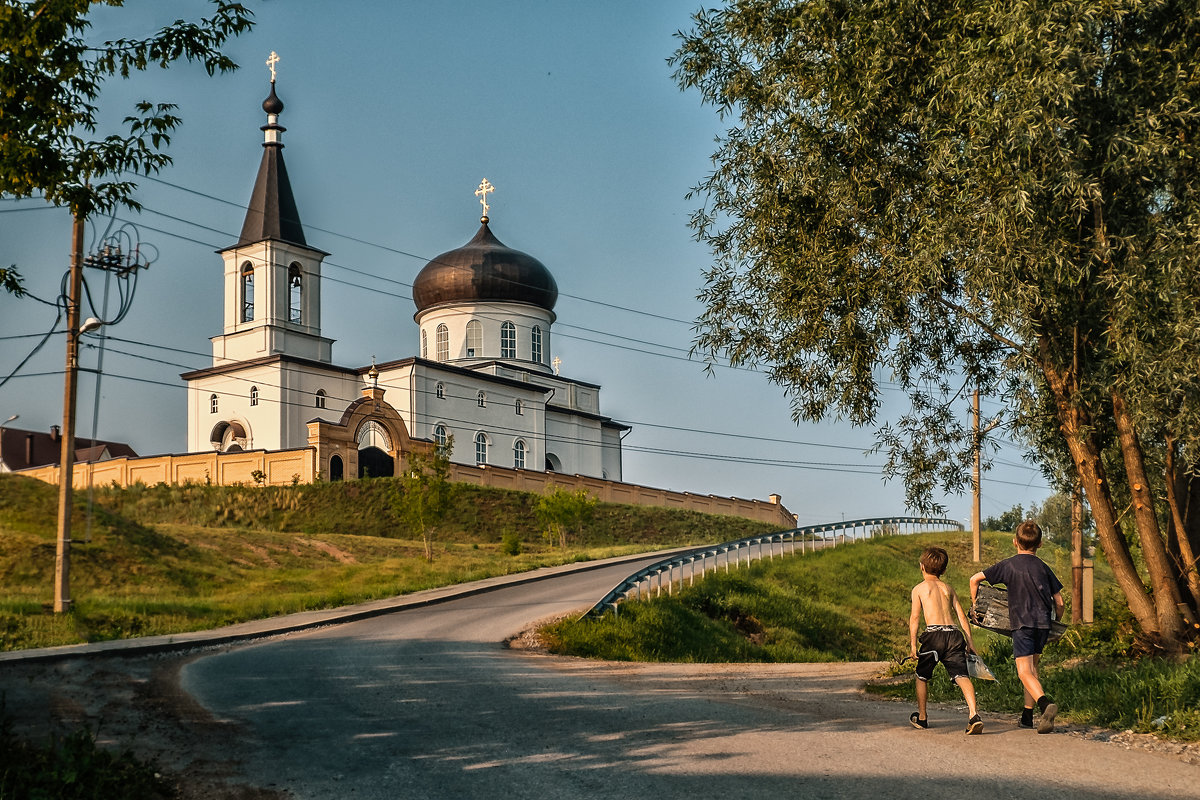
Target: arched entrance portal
{"x":375,"y":463}
{"x":374,"y":460}
{"x":335,"y":468}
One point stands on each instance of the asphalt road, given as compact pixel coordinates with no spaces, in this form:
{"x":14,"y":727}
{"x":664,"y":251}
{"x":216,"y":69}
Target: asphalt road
{"x":428,"y":703}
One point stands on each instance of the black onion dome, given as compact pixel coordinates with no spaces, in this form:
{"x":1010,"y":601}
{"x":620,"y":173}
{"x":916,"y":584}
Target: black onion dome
{"x":273,"y":105}
{"x":484,"y":269}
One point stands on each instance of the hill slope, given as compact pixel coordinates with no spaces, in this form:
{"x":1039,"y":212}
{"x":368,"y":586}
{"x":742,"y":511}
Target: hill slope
{"x":166,"y":559}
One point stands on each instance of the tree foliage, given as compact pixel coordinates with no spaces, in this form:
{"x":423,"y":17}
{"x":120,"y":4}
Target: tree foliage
{"x":421,"y":496}
{"x":957,"y":195}
{"x":561,"y":510}
{"x":51,"y":77}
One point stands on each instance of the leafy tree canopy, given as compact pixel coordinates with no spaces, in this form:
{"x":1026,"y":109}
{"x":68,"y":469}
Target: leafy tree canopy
{"x":956,"y":195}
{"x":51,"y":78}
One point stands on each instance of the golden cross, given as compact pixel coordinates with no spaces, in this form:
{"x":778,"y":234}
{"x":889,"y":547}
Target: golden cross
{"x":482,"y":193}
{"x":271,"y":62}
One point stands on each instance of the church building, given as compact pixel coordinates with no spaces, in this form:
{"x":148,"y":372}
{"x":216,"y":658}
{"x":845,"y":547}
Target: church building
{"x":483,"y":381}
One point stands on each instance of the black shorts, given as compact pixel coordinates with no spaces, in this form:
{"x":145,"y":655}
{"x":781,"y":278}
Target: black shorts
{"x":945,"y":644}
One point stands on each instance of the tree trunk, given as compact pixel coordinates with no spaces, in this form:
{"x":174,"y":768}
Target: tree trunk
{"x":1154,"y":549}
{"x":1177,"y":530}
{"x":1074,"y":422}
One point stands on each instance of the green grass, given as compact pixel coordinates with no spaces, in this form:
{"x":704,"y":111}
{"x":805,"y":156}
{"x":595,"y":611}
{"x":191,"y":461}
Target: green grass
{"x":169,"y":559}
{"x":843,"y":604}
{"x":73,"y":768}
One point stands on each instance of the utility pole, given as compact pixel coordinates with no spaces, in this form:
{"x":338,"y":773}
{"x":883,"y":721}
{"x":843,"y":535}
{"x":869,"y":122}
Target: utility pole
{"x":1076,"y":555}
{"x":976,"y":478}
{"x":66,"y":461}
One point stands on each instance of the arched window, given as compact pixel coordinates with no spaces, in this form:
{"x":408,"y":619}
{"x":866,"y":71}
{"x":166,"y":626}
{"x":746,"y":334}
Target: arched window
{"x":247,"y":291}
{"x":253,"y":395}
{"x":320,"y":398}
{"x":295,"y":294}
{"x":481,"y":399}
{"x":481,"y":448}
{"x":508,"y":340}
{"x":212,"y":404}
{"x":424,"y":343}
{"x":439,"y":436}
{"x":442,"y":343}
{"x":519,"y":455}
{"x":372,"y":434}
{"x":519,"y":407}
{"x":474,"y":339}
{"x":535,"y":344}
{"x":441,"y":391}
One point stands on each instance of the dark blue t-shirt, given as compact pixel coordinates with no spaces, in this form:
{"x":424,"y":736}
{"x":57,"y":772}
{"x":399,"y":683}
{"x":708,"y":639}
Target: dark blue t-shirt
{"x":1031,"y":589}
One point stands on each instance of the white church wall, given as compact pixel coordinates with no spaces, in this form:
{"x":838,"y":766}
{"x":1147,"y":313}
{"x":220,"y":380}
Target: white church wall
{"x":491,"y":316}
{"x":611,"y":454}
{"x":576,"y":442}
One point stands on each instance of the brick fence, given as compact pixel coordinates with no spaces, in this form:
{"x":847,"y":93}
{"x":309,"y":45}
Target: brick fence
{"x":284,"y":467}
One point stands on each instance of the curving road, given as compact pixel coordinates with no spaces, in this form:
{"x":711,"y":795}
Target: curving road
{"x":428,"y":703}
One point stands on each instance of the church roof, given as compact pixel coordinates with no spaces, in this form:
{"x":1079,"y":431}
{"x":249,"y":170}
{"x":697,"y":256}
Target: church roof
{"x":484,"y":269}
{"x":272,"y":213}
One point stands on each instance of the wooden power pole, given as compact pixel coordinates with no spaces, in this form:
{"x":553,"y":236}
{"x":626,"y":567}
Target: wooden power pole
{"x":976,"y":478}
{"x":66,"y":461}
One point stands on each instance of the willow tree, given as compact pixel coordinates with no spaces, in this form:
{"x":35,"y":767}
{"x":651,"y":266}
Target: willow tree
{"x":974,"y":194}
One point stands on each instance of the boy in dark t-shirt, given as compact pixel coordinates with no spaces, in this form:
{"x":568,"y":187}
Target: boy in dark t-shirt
{"x":1034,"y":599}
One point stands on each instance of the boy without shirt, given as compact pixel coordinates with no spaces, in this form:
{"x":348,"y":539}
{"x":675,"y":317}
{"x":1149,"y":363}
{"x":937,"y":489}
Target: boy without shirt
{"x":941,"y":640}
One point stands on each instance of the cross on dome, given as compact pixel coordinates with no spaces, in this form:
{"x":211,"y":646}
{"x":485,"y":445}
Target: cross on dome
{"x":272,"y":60}
{"x":482,"y":193}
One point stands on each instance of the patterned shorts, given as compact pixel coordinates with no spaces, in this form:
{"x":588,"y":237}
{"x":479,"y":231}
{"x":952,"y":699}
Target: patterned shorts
{"x":944,"y":643}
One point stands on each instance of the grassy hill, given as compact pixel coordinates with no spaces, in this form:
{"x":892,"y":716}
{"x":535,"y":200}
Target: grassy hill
{"x":167,"y":559}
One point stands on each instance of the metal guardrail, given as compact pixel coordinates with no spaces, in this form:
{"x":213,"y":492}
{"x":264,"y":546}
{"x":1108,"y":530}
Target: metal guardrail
{"x":682,"y":567}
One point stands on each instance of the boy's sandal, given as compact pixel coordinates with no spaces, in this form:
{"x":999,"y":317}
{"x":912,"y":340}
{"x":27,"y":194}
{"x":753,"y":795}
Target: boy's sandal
{"x":916,"y":721}
{"x":974,"y":725}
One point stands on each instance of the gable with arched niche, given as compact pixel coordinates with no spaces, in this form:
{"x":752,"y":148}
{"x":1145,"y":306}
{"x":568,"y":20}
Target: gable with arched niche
{"x":370,"y":429}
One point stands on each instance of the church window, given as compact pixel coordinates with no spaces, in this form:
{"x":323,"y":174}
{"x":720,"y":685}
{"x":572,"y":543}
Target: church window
{"x":441,"y":391}
{"x":439,"y":436}
{"x":442,"y":342}
{"x":519,"y":407}
{"x":212,"y":404}
{"x":320,"y":398}
{"x":519,"y":455}
{"x":424,"y":343}
{"x":535,"y":345}
{"x":247,"y":292}
{"x":508,"y":340}
{"x":481,"y":399}
{"x":253,"y":395}
{"x":474,"y":339}
{"x":295,"y":293}
{"x":481,"y":448}
{"x":372,"y":434}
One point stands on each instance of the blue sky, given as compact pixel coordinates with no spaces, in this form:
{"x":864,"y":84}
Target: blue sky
{"x":394,"y":113}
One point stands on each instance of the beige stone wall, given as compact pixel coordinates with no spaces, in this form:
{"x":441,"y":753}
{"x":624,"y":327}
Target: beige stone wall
{"x":279,"y":467}
{"x":222,"y":469}
{"x":628,"y":493}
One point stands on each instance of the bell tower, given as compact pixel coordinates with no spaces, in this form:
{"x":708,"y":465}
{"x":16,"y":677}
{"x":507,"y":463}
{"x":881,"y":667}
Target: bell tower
{"x":272,"y":296}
